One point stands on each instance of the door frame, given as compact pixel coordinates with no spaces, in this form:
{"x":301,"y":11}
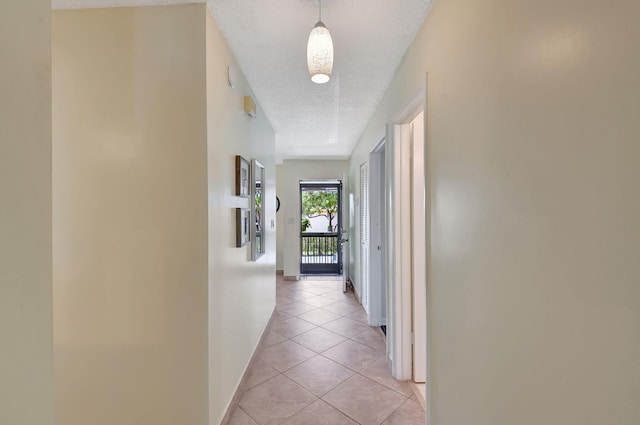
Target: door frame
{"x":343,"y":240}
{"x":419,"y":205}
{"x":338,"y":184}
{"x":399,"y":240}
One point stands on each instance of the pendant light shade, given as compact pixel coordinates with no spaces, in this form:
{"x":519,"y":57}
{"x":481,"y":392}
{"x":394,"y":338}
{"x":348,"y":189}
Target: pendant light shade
{"x":320,"y":53}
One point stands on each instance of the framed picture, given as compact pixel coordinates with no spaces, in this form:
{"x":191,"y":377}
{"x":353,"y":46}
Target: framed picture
{"x":256,"y":202}
{"x":242,"y":177}
{"x":243,"y":228}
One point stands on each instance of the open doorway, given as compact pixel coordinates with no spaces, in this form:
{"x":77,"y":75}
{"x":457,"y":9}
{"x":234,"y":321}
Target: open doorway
{"x":320,"y":227}
{"x":407,"y":243}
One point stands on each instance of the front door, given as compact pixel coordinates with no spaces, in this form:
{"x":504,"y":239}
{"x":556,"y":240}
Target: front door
{"x":320,"y":224}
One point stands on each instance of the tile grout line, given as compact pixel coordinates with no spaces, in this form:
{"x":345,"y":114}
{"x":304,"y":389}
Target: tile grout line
{"x":358,"y":373}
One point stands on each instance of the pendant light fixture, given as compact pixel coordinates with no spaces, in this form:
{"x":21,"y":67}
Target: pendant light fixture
{"x":320,"y":52}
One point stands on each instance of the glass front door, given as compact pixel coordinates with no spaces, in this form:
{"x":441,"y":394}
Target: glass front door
{"x":320,"y":225}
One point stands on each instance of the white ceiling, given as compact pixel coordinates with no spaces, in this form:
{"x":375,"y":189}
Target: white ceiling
{"x":269,"y":41}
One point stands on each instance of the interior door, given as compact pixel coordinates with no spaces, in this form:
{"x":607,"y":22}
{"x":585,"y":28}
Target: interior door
{"x":364,"y":235}
{"x":377,"y":245}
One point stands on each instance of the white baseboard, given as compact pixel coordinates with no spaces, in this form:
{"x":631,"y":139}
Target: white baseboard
{"x":355,"y":293}
{"x":419,"y":395}
{"x":241,"y":385}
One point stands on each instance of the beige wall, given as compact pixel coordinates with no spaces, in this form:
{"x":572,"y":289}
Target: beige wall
{"x":26,"y":352}
{"x":241,"y":292}
{"x":156,"y":311}
{"x":533,"y":295}
{"x":292,"y":171}
{"x":130,"y":216}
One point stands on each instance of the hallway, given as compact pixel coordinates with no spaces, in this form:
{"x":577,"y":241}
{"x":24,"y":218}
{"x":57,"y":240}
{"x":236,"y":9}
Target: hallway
{"x":320,"y":363}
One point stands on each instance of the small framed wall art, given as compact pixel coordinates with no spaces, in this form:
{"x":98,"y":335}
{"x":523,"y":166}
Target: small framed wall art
{"x":243,"y":229}
{"x":242,"y":177}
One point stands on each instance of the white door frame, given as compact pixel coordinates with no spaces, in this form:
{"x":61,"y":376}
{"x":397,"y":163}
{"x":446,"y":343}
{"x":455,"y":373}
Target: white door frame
{"x":342,"y":240}
{"x":399,"y":240}
{"x":399,"y":249}
{"x":419,"y":205}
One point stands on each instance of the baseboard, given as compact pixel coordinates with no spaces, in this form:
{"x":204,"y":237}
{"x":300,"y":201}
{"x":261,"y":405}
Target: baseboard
{"x":241,"y":385}
{"x":355,"y":293}
{"x":279,"y":272}
{"x":414,"y":387}
{"x":384,"y":336}
{"x":418,"y":395}
{"x":291,"y":278}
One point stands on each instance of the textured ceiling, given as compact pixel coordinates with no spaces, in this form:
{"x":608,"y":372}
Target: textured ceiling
{"x":269,"y":40}
{"x":86,"y":4}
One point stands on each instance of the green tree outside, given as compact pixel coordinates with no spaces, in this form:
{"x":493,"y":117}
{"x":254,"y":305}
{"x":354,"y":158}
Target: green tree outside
{"x":316,"y":203}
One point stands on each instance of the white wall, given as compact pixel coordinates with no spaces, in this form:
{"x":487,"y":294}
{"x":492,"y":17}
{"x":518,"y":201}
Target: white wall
{"x":289,"y":192}
{"x":241,"y":292}
{"x":534,"y":302}
{"x":130,"y":216}
{"x":26,"y":347}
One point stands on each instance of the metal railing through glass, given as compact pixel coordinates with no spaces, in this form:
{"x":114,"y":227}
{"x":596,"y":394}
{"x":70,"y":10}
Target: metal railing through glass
{"x":320,"y":248}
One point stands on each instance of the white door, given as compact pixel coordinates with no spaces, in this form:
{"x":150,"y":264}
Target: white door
{"x":376,"y":247}
{"x":364,"y":234}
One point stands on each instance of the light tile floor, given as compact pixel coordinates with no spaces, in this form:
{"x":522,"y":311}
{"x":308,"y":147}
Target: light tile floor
{"x":320,"y":363}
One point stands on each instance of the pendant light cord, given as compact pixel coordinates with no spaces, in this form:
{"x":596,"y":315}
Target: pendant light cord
{"x":320,"y":11}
